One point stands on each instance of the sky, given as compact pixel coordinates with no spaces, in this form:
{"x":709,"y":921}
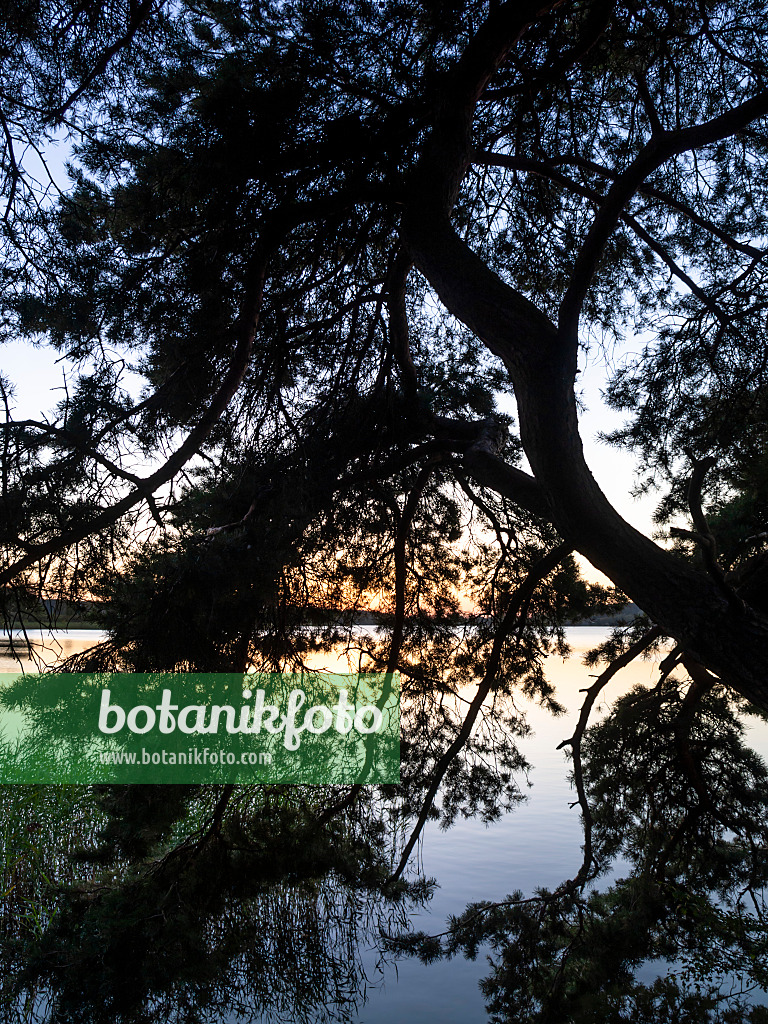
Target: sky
{"x":38,"y":378}
{"x":38,"y":375}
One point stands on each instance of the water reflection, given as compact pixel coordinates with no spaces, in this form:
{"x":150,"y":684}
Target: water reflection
{"x":36,"y":648}
{"x":268,"y":914}
{"x":683,"y":934}
{"x":153,"y":904}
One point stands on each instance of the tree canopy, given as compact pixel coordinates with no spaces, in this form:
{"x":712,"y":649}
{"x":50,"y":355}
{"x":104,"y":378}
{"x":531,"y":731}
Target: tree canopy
{"x":321,"y":276}
{"x":326,"y":238}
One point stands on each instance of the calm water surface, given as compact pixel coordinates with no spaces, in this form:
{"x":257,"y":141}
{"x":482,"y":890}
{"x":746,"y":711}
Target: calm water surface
{"x":538,"y":844}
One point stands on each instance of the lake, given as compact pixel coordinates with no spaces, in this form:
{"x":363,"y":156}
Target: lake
{"x":538,"y":844}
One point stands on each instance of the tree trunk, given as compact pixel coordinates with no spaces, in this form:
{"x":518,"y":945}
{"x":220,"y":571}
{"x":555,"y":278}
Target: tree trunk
{"x":689,"y":605}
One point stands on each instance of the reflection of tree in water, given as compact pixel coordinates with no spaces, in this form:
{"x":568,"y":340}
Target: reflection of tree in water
{"x":188,"y":903}
{"x":263,"y":905}
{"x":668,"y":788}
{"x":240,"y":233}
{"x":196,"y":902}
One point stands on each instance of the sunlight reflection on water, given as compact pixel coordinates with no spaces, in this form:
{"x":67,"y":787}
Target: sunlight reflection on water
{"x":538,"y":844}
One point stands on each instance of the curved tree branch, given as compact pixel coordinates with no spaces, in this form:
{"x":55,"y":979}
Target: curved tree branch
{"x":543,"y":364}
{"x":549,"y":169}
{"x":245,"y":332}
{"x":574,"y":742}
{"x":139,"y":15}
{"x":661,"y":148}
{"x":513,"y":619}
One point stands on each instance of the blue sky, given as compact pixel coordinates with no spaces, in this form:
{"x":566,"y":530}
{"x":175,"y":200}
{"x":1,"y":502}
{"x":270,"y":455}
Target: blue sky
{"x":38,"y":378}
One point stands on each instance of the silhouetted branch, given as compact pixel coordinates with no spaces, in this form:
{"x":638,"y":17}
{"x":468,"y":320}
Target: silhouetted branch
{"x":140,"y":13}
{"x":704,"y":535}
{"x":632,"y":652}
{"x":548,"y":169}
{"x":513,"y":619}
{"x":398,"y":321}
{"x":656,"y":152}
